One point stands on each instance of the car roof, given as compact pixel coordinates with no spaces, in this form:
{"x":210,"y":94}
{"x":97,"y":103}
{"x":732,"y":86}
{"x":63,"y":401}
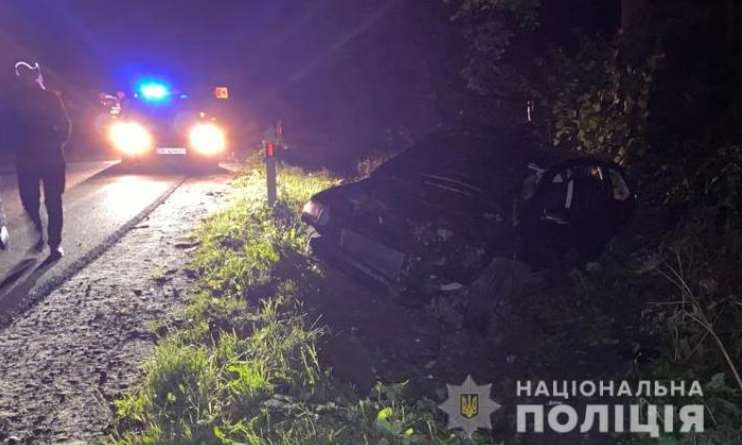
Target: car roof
{"x":496,"y":150}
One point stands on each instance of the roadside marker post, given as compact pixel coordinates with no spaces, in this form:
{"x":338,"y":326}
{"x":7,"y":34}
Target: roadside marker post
{"x":270,"y":171}
{"x":272,"y":141}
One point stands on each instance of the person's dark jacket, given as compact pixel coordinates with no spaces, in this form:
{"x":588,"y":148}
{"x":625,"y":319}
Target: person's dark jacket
{"x":42,"y":127}
{"x":3,"y":222}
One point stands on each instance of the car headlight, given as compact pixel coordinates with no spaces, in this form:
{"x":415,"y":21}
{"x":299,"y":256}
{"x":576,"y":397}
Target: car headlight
{"x":316,"y":213}
{"x":207,"y":139}
{"x":130,"y":138}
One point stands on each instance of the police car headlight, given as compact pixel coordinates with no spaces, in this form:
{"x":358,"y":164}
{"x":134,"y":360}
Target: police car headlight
{"x":130,"y":138}
{"x":207,"y":139}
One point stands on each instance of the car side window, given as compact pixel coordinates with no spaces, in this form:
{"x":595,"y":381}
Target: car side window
{"x":576,"y":189}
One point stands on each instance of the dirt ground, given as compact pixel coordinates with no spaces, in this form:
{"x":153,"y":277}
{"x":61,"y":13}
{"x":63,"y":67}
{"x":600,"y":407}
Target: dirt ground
{"x":65,"y":360}
{"x":545,"y":334}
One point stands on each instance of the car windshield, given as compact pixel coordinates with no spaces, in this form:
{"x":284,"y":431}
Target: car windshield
{"x":169,"y":107}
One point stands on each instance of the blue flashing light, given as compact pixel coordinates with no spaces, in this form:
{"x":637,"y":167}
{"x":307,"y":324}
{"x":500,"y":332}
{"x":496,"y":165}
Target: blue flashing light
{"x":154,"y":91}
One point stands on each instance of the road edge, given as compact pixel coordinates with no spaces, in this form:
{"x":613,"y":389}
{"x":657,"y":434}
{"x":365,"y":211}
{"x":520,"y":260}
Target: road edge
{"x":16,"y":304}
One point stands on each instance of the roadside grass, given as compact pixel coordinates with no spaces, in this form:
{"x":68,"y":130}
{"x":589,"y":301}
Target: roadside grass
{"x":240,"y":366}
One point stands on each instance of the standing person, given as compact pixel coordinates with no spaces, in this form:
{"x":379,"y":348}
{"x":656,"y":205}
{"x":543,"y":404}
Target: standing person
{"x":43,"y":129}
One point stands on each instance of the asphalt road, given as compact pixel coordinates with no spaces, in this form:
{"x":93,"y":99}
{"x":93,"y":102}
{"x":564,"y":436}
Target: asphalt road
{"x":101,"y":203}
{"x":66,"y":359}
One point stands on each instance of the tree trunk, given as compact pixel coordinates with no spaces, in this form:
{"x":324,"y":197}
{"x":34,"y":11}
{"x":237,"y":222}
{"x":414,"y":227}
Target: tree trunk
{"x":630,"y":12}
{"x":731,"y":25}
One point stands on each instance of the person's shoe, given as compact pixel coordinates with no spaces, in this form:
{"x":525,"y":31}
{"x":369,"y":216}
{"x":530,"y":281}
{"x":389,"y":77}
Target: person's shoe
{"x":56,"y":253}
{"x":4,"y":238}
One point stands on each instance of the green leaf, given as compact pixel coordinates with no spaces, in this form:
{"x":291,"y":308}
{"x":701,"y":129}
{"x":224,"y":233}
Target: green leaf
{"x":384,"y":414}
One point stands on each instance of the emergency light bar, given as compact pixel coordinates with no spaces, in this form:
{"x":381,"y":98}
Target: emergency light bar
{"x":154,"y":91}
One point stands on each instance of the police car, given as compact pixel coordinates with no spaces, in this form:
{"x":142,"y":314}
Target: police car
{"x":160,"y":123}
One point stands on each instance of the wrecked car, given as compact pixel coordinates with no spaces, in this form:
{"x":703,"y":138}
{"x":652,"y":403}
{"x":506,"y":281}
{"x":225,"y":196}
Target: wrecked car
{"x":437,"y":214}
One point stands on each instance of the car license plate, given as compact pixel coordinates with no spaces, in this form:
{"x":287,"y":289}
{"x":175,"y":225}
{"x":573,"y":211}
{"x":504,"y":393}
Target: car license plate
{"x":171,"y":150}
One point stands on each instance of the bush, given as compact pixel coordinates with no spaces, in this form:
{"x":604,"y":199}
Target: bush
{"x":601,"y":105}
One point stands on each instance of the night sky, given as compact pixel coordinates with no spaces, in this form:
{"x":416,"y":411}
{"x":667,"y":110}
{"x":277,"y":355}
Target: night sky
{"x":286,"y":57}
{"x":189,"y":41}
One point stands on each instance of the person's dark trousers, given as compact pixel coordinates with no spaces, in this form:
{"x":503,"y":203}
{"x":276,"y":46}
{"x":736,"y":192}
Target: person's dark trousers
{"x":31,"y":180}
